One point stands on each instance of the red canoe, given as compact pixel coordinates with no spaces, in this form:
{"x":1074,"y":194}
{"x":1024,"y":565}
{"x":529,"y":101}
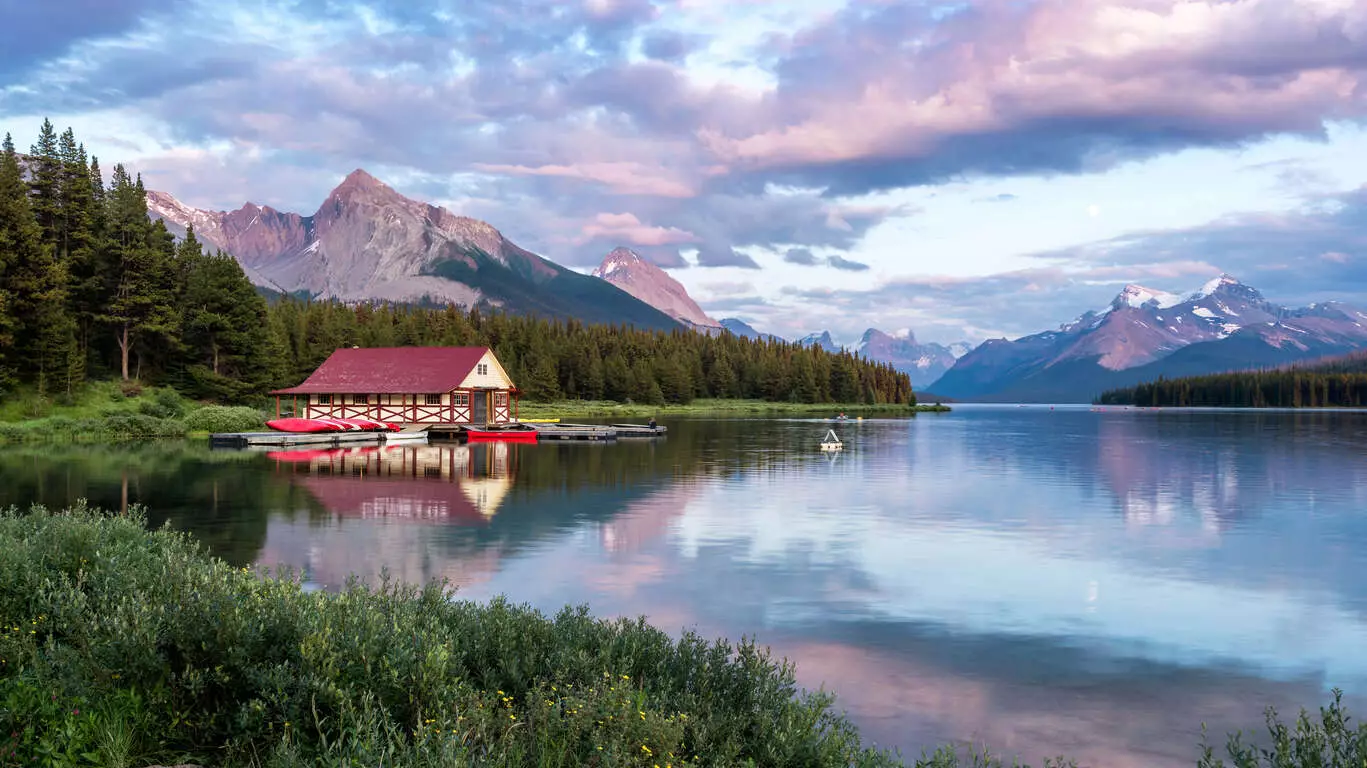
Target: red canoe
{"x":502,"y":435}
{"x":304,"y":425}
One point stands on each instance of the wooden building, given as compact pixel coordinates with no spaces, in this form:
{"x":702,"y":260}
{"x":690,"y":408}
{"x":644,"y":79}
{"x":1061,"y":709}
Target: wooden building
{"x":408,"y":385}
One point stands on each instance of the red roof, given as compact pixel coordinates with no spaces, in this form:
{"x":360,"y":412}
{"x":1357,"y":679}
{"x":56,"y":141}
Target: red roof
{"x":391,"y":370}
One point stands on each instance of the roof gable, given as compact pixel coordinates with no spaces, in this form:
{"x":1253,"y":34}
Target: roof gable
{"x":391,"y":370}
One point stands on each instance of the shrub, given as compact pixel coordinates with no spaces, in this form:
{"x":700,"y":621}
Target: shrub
{"x":164,"y":403}
{"x":223,"y":661}
{"x":221,"y":418}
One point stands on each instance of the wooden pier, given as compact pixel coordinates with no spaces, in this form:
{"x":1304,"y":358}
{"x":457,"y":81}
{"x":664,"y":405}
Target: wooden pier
{"x":422,"y":432}
{"x":311,"y":439}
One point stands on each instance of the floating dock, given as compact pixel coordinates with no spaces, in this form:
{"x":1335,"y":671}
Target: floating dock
{"x":422,"y":432}
{"x":312,"y":439}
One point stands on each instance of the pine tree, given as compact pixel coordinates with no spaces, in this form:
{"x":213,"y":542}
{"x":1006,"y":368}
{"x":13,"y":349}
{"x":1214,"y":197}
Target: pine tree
{"x":141,"y":305}
{"x":225,"y":325}
{"x":45,"y":184}
{"x":17,"y":234}
{"x":35,"y":287}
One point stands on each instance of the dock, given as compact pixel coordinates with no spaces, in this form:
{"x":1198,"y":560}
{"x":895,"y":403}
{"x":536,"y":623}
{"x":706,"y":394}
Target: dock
{"x":423,"y":432}
{"x":312,"y":439}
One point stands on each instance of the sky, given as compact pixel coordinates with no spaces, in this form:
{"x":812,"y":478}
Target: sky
{"x":962,"y":170}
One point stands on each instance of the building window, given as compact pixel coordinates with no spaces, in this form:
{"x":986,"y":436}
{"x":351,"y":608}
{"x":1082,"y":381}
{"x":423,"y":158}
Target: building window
{"x":462,"y":398}
{"x":434,"y":399}
{"x":501,"y":398}
{"x":482,"y":369}
{"x":360,"y":399}
{"x":325,"y":399}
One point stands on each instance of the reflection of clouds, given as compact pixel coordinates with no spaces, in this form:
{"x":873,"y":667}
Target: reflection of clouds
{"x":970,"y":578}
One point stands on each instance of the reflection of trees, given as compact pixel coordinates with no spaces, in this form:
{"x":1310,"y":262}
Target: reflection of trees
{"x":219,"y":497}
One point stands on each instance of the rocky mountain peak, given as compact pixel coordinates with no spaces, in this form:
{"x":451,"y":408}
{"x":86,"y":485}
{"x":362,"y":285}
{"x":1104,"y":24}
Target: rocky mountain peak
{"x":1136,"y":296}
{"x":626,"y":269}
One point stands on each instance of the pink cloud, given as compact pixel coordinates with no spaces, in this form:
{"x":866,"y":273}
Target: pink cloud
{"x":1225,"y":69}
{"x":624,"y":177}
{"x":626,"y":228}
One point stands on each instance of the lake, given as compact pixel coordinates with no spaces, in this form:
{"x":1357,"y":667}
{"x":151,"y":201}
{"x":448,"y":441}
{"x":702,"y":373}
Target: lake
{"x":1041,"y":580}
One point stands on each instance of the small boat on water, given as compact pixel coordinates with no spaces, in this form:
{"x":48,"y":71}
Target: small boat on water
{"x":511,"y":433}
{"x":831,"y":442}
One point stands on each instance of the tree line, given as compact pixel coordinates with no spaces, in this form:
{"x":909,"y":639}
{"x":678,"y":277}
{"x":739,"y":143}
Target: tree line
{"x":92,"y":288}
{"x":1337,"y":382}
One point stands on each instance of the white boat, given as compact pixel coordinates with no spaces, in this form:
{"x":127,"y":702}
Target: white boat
{"x":831,"y":442}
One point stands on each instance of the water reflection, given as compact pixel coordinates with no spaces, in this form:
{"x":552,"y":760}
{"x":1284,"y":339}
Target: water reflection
{"x":1047,"y":581}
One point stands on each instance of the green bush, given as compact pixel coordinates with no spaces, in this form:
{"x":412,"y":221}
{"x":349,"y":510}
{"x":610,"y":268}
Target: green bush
{"x":123,"y":647}
{"x":163,"y":403}
{"x":222,"y":418}
{"x":226,"y":664}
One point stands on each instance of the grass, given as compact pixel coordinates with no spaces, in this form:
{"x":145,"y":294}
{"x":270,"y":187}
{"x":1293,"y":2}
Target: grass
{"x":710,"y":407}
{"x":107,"y":411}
{"x":123,"y":647}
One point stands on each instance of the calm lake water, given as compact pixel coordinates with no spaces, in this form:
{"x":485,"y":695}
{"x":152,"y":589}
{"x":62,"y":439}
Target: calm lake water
{"x":1045,"y":581}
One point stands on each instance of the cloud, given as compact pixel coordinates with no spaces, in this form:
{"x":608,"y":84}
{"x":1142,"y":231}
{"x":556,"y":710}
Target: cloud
{"x":629,"y":229}
{"x":578,"y":126}
{"x":1004,"y":197}
{"x":884,"y":96}
{"x":839,"y":262}
{"x":1298,"y":257}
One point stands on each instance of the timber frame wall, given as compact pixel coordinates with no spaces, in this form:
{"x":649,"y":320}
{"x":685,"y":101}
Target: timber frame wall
{"x":455,"y":407}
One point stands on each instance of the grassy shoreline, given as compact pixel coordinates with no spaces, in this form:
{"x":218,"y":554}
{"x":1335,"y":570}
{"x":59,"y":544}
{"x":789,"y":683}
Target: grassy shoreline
{"x":125,"y":647}
{"x":568,"y":409}
{"x":113,"y":411}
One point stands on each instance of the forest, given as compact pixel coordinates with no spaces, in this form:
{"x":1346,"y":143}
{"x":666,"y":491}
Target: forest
{"x":91,"y":288}
{"x":1339,"y":382}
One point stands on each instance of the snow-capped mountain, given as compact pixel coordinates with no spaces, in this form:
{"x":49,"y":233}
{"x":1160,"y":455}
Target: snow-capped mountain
{"x":1146,"y":333}
{"x":821,"y":339}
{"x":745,"y":330}
{"x":923,"y":363}
{"x":625,"y":269}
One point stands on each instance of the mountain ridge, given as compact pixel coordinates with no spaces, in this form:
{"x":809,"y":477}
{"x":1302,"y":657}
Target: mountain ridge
{"x":626,"y":269}
{"x":1143,"y":332}
{"x":368,"y":242}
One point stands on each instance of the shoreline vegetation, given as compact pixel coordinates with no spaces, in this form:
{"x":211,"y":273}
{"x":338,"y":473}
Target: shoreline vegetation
{"x":1339,"y":382}
{"x":714,"y":407}
{"x":125,"y":646}
{"x":112,"y":411}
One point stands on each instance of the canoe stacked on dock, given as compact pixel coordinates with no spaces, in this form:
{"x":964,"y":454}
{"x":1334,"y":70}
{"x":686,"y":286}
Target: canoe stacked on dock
{"x":312,"y":426}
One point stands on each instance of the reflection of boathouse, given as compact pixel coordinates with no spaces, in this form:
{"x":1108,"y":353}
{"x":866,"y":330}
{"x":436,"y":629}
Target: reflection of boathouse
{"x":407,"y":385}
{"x":444,"y":483}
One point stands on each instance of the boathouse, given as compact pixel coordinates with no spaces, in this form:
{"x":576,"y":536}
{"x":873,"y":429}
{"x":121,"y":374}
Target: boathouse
{"x":407,"y":385}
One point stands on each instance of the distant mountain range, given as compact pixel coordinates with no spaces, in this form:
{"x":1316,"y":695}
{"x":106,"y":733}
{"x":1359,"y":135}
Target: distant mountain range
{"x":368,"y":242}
{"x":743,"y":329}
{"x":1146,"y":334}
{"x":923,"y":363}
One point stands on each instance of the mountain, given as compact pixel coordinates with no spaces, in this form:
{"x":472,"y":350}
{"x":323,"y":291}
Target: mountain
{"x":368,"y":242}
{"x":625,"y":269}
{"x":923,"y":363}
{"x":744,"y":330}
{"x":822,"y":339}
{"x":1146,"y":334}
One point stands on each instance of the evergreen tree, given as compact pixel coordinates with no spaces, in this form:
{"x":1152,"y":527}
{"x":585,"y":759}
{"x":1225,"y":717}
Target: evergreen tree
{"x":141,"y":305}
{"x":18,"y":234}
{"x":35,"y":288}
{"x":225,"y":325}
{"x":45,"y":184}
